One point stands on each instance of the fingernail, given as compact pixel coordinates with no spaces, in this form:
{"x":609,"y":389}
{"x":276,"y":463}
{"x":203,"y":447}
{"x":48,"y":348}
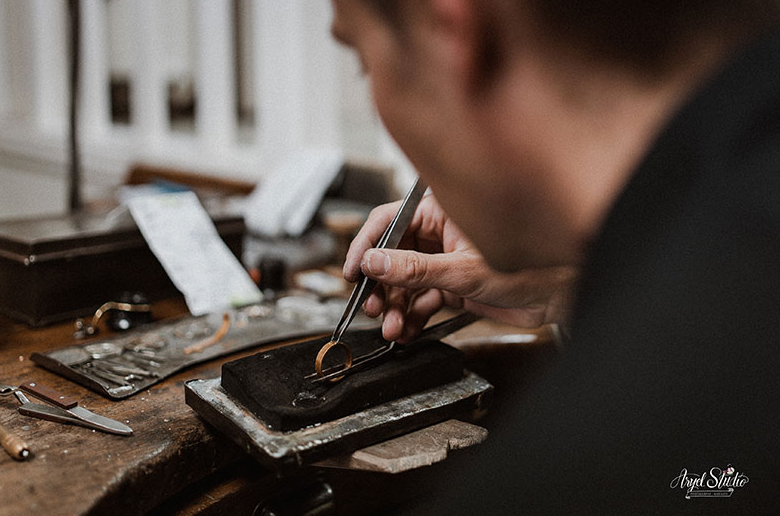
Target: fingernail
{"x":377,"y":263}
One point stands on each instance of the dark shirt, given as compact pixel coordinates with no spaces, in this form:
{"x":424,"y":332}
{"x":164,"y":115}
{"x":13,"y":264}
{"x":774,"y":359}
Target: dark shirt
{"x":674,"y":362}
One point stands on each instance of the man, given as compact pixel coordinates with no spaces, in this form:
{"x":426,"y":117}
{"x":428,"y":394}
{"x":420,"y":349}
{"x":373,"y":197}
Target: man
{"x":639,"y":143}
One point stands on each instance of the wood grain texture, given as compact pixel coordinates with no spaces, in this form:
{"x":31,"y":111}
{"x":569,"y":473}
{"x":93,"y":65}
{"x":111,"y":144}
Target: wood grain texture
{"x":75,"y":470}
{"x":48,"y":394}
{"x":413,"y":450}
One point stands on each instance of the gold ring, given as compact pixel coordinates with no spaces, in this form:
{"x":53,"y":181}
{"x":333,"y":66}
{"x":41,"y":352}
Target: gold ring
{"x":324,"y":351}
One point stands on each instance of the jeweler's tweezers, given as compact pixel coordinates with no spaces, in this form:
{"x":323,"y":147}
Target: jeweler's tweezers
{"x":389,"y":240}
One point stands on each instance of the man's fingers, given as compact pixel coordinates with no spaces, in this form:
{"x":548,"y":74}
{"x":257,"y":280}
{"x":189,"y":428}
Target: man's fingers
{"x":367,"y":237}
{"x":396,"y":301}
{"x":375,"y":303}
{"x":454,"y":272}
{"x":452,"y":300}
{"x":422,"y":307}
{"x":427,"y":224}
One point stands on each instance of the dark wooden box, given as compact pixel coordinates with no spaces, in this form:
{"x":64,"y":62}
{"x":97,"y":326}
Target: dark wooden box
{"x":62,"y":267}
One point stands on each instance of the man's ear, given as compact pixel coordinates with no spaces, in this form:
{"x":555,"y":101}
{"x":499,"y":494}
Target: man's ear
{"x":472,"y":36}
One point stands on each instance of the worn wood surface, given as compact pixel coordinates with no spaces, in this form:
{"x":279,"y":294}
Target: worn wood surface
{"x":413,"y":450}
{"x":167,"y":467}
{"x":75,"y":470}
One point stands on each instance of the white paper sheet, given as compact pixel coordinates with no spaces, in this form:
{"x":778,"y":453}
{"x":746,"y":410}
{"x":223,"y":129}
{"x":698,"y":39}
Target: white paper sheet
{"x":285,"y":202}
{"x":184,"y":239}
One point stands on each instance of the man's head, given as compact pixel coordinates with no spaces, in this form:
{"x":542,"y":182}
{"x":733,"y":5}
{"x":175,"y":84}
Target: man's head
{"x":526,"y":116}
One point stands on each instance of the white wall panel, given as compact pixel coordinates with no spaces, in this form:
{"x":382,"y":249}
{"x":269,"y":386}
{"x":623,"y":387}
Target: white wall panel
{"x":49,"y":64}
{"x":94,"y":95}
{"x":216,"y":114}
{"x":306,"y":90}
{"x":25,"y":195}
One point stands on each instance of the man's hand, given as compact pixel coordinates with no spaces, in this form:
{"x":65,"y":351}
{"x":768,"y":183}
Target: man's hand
{"x":436,"y":265}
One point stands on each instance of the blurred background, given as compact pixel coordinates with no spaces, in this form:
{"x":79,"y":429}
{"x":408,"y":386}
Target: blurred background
{"x":226,"y":88}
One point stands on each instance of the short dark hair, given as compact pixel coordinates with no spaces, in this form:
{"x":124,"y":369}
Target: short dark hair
{"x":645,"y":35}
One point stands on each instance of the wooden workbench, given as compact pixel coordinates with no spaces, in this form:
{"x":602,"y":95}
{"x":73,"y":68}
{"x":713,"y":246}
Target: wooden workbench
{"x":78,"y":471}
{"x":173,"y":464}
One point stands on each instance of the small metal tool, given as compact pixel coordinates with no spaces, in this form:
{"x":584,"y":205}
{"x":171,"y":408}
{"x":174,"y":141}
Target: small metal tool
{"x":350,"y":365}
{"x":128,"y":369}
{"x":85,"y":329}
{"x":66,"y":410}
{"x":92,"y":370}
{"x":389,"y":240}
{"x":434,"y":332}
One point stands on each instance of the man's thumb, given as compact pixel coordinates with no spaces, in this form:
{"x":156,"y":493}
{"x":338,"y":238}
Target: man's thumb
{"x":414,"y":270}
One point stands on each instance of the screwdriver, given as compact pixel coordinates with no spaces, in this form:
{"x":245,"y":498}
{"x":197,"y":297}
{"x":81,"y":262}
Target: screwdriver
{"x":13,"y":444}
